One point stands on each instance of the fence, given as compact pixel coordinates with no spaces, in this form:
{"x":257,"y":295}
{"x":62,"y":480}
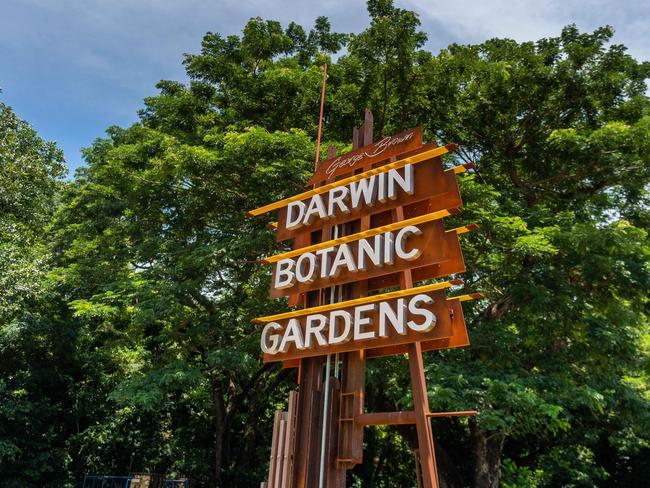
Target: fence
{"x":107,"y":481}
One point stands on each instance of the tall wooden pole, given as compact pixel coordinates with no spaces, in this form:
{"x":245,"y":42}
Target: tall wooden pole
{"x":420,"y":397}
{"x":320,"y":117}
{"x":422,"y":422}
{"x":305,"y":472}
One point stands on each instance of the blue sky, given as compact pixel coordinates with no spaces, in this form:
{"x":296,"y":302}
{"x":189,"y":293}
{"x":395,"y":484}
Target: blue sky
{"x":72,"y":68}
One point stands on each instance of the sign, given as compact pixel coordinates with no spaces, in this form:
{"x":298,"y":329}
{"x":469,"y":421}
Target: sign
{"x":419,"y":316}
{"x":372,"y":219}
{"x":382,"y":150}
{"x":370,"y":196}
{"x":363,"y":256}
{"x":454,"y":264}
{"x":424,"y":193}
{"x":458,"y":337}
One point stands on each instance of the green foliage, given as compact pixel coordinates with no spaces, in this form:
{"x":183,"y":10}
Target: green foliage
{"x":126,"y":340}
{"x":515,"y":476}
{"x":33,"y":365}
{"x":29,"y":171}
{"x":160,"y":263}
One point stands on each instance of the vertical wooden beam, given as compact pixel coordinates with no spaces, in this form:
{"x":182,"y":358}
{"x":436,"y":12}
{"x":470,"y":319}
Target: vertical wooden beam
{"x":368,"y":128}
{"x":422,"y":423}
{"x":308,"y":422}
{"x":356,"y":138}
{"x":316,"y":429}
{"x":334,"y":477}
{"x":273,"y":461}
{"x":350,"y":452}
{"x":420,"y":397}
{"x":277,"y":482}
{"x":289,"y":440}
{"x":418,"y":470}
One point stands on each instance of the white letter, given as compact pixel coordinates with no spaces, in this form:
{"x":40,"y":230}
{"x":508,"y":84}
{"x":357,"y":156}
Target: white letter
{"x":399,"y":243}
{"x":292,"y":334}
{"x":316,"y":331}
{"x":310,"y":275}
{"x":270,"y":342}
{"x":365,"y":187}
{"x":316,"y":207}
{"x":284,"y":277}
{"x":295,"y":221}
{"x":371,"y":252}
{"x":389,"y":257}
{"x":343,"y":195}
{"x":360,"y":322}
{"x":429,"y":317}
{"x":343,"y":257}
{"x":324,"y":260}
{"x":381,"y":193}
{"x":407,"y":184}
{"x":397,"y":320}
{"x":345,"y":334}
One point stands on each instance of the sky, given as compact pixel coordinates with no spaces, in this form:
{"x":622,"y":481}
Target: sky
{"x":72,"y":68}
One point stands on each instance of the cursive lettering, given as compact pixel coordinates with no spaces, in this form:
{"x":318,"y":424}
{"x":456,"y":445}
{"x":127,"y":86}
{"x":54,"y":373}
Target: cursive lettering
{"x":375,"y":150}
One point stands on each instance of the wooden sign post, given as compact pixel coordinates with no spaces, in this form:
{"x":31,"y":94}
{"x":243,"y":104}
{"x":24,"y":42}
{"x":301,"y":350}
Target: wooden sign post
{"x":371,"y":221}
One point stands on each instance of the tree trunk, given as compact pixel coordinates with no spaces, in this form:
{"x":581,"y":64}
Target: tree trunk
{"x":219,"y":419}
{"x":448,"y":474}
{"x":486,"y":449}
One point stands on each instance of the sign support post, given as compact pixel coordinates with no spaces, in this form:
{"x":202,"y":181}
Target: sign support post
{"x":426,"y":448}
{"x":370,"y":222}
{"x":422,"y":422}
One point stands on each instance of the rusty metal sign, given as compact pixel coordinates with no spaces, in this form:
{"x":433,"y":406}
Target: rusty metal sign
{"x":364,"y":256}
{"x":372,"y":221}
{"x":420,"y":316}
{"x":370,"y":196}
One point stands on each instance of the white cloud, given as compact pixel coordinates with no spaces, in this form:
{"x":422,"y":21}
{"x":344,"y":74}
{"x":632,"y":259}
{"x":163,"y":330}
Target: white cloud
{"x":524,"y":20}
{"x":100,"y":58}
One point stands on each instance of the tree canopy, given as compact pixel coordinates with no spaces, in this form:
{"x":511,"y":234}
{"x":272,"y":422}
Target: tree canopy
{"x":126,"y":341}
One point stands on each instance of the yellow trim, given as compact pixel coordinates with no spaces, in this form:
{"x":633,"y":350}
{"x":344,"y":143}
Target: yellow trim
{"x":360,"y":301}
{"x":464,"y":229}
{"x":464,"y":298}
{"x":418,"y":158}
{"x":462,"y":168}
{"x":359,"y":235}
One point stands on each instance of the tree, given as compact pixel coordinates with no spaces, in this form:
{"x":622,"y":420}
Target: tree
{"x":141,"y":317}
{"x":383,"y":65}
{"x":555,"y":126}
{"x":30,"y":169}
{"x":33,"y":360}
{"x":560,"y":131}
{"x":162,"y":262}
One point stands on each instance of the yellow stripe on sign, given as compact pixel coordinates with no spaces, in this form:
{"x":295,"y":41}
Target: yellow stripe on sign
{"x":462,"y":168}
{"x":464,"y":298}
{"x":464,"y":229}
{"x":418,"y":158}
{"x":359,"y":235}
{"x":360,"y":301}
